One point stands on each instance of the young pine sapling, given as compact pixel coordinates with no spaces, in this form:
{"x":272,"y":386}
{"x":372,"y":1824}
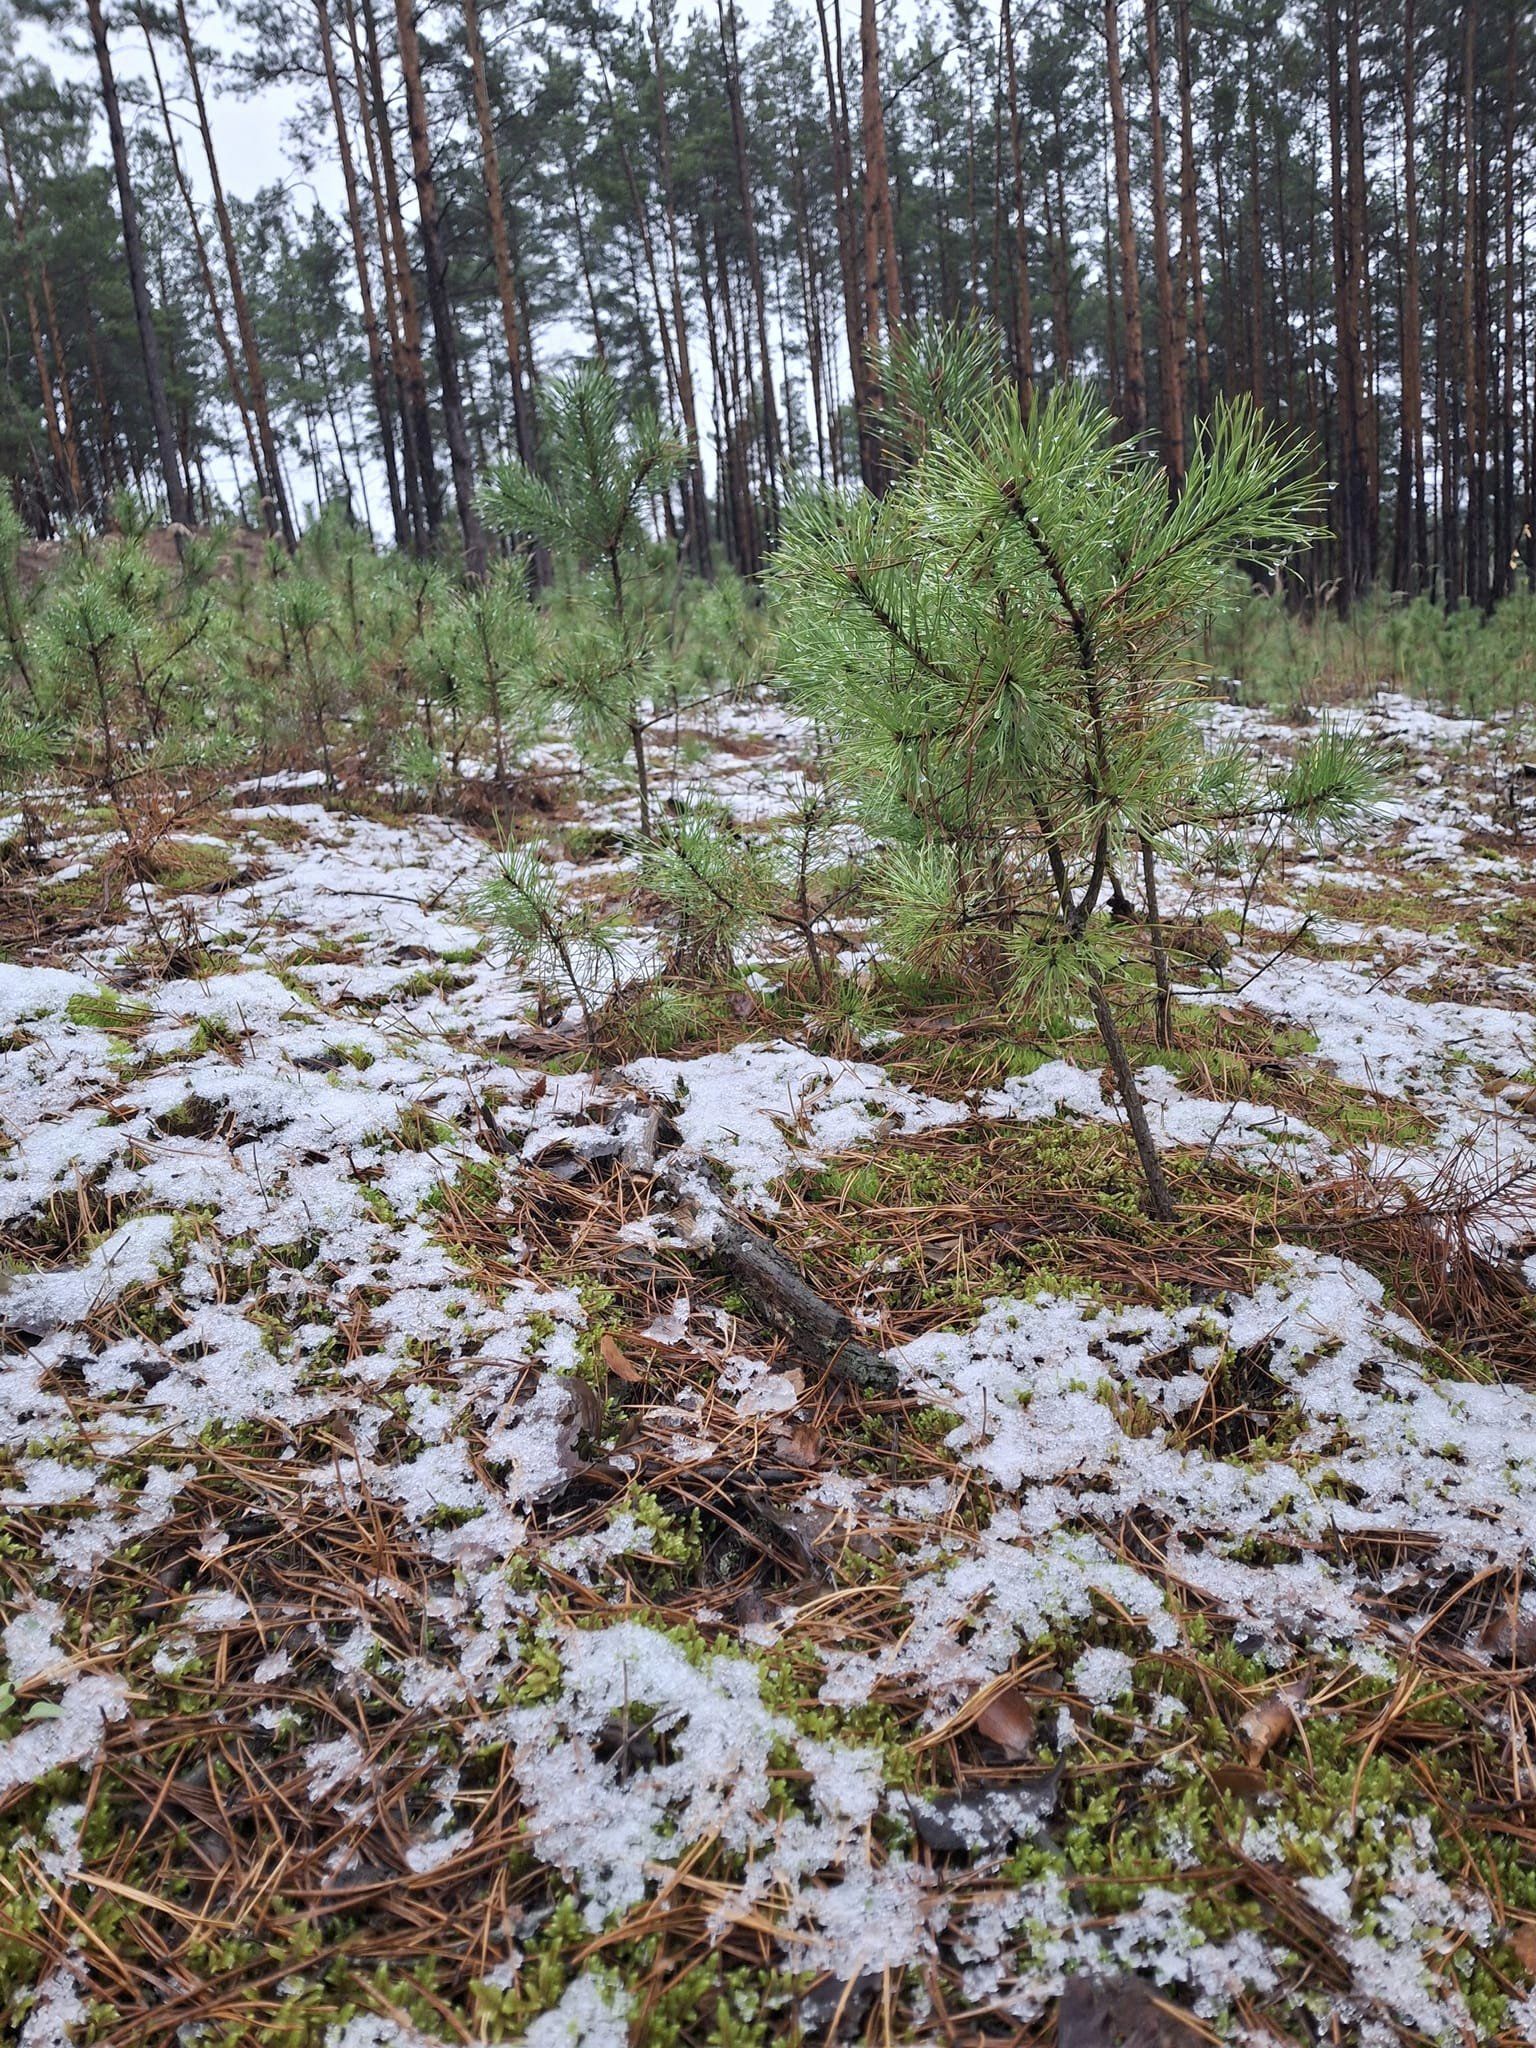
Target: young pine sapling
{"x":997,"y":647}
{"x":602,"y":473}
{"x":562,"y":942}
{"x":478,"y":657}
{"x":717,"y":886}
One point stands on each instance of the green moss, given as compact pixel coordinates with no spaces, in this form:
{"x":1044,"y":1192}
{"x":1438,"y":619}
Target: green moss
{"x":419,"y":1131}
{"x":212,"y":1035}
{"x":475,"y":1188}
{"x":428,"y":981}
{"x":106,"y":1010}
{"x":185,"y":867}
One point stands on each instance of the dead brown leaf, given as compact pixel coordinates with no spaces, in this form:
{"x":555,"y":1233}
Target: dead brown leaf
{"x":1242,"y":1779}
{"x":618,"y":1362}
{"x":799,"y":1445}
{"x":1509,"y":1636}
{"x":1272,"y":1721}
{"x":1008,"y":1720}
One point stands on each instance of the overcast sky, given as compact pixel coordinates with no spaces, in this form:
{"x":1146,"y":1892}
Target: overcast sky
{"x":254,"y":149}
{"x":248,"y":128}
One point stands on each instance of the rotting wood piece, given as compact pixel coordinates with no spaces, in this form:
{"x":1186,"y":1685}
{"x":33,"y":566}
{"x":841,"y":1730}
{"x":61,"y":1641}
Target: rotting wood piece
{"x":786,"y":1299}
{"x":820,"y":1331}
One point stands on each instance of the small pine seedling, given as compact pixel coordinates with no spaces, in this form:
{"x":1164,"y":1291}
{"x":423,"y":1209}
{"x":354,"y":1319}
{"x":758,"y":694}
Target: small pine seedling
{"x":998,"y":649}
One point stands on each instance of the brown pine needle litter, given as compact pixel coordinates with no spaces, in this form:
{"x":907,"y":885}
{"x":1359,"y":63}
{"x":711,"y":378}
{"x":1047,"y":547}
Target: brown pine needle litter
{"x":442,"y":1601}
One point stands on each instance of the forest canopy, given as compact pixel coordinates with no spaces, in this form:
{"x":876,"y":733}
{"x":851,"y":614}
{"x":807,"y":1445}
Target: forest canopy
{"x":1323,"y":208}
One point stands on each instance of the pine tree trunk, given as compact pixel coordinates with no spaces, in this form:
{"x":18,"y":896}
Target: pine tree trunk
{"x":1364,"y":435}
{"x":1473,"y":546}
{"x":178,"y":501}
{"x":1352,"y":524}
{"x":882,"y":283}
{"x":71,"y":434}
{"x":1447,"y":426}
{"x":1170,"y":337}
{"x":573,"y":186}
{"x":843,"y":206}
{"x":109,"y":455}
{"x":1257,"y":282}
{"x":1133,"y":410}
{"x":1061,"y":255}
{"x":641,"y":217}
{"x":1193,"y":261}
{"x":1508,"y":554}
{"x":378,"y":375}
{"x":501,"y":248}
{"x":772,"y":446}
{"x":1024,"y":347}
{"x":277,"y":512}
{"x":1159,"y":1200}
{"x":414,"y":505}
{"x":204,"y":266}
{"x":698,"y":501}
{"x":1410,"y":545}
{"x":413,"y":372}
{"x":810,"y":316}
{"x":455,"y":431}
{"x":65,"y":459}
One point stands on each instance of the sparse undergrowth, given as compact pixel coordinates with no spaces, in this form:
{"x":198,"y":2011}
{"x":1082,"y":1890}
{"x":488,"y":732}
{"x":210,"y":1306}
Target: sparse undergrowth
{"x":438,"y":1597}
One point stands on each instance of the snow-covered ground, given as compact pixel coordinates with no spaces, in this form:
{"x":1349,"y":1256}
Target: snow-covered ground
{"x":275,"y":1281}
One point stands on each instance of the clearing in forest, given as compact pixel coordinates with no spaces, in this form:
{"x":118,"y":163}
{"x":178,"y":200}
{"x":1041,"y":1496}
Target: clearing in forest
{"x":443,"y":1607}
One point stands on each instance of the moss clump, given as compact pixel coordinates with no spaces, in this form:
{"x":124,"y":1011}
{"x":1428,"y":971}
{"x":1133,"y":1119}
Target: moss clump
{"x":106,"y":1010}
{"x":188,"y":867}
{"x":419,"y":1131}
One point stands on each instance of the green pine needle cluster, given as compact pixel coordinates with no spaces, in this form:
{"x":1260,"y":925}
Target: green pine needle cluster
{"x":602,"y":471}
{"x":998,"y":648}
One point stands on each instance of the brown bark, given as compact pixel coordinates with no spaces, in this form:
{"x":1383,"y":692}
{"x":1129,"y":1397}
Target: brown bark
{"x":1470,"y":327}
{"x":378,"y":374}
{"x":54,"y":333}
{"x":62,"y":448}
{"x":1257,"y":282}
{"x":501,"y":247}
{"x":277,"y":513}
{"x":1061,"y":251}
{"x":1192,"y":262}
{"x":1411,"y":541}
{"x":205,"y":267}
{"x":1365,"y":411}
{"x":1170,"y":336}
{"x":1133,"y":409}
{"x":817,"y":1329}
{"x":1354,"y":520}
{"x":411,"y":485}
{"x":1508,"y":546}
{"x":882,"y":281}
{"x":412,"y":371}
{"x":810,"y":309}
{"x":178,"y":501}
{"x":772,"y":448}
{"x":698,"y":524}
{"x":1024,"y":346}
{"x":435,"y":264}
{"x":842,"y":199}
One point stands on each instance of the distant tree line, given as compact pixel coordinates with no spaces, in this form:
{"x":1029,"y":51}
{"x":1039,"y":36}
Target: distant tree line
{"x":1327,"y":206}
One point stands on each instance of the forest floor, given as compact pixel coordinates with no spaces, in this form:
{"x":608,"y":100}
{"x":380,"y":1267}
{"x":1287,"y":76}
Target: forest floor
{"x":438,"y":1608}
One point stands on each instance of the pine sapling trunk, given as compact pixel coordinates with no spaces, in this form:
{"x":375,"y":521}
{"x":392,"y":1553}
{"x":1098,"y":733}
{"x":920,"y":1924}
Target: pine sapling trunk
{"x":637,"y":742}
{"x":1159,"y":1201}
{"x":636,"y":723}
{"x":807,"y":919}
{"x":1160,"y":970}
